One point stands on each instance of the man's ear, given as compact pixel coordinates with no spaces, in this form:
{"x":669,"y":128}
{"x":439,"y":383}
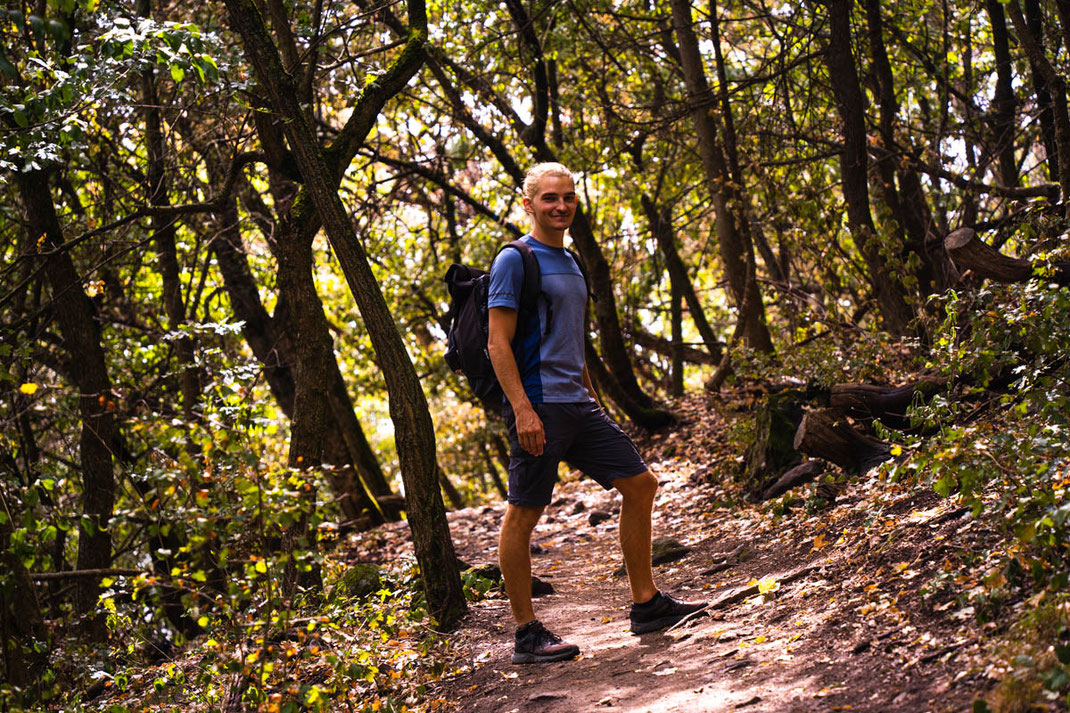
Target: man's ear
{"x":527,"y":205}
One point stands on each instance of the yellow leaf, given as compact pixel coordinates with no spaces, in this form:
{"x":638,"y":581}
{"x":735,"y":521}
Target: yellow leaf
{"x":29,"y":389}
{"x":760,"y":639}
{"x":819,"y":542}
{"x":768,"y":585}
{"x":897,"y":450}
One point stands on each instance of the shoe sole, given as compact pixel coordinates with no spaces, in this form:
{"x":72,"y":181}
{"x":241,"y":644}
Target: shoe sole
{"x":664,"y":622}
{"x":546,"y":658}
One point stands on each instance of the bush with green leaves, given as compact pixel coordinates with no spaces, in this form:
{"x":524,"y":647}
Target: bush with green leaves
{"x":1005,"y":352}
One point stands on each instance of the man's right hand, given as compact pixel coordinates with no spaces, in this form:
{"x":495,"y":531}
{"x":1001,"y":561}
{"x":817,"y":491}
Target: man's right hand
{"x":529,"y":431}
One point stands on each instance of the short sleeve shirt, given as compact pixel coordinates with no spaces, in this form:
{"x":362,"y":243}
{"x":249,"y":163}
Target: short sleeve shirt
{"x":548,"y":344}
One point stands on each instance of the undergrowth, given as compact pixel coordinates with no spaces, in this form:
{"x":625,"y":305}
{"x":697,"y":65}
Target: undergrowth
{"x":375,"y":651}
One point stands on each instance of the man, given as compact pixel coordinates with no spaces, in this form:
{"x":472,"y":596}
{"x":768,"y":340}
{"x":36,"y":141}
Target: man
{"x":553,"y":414}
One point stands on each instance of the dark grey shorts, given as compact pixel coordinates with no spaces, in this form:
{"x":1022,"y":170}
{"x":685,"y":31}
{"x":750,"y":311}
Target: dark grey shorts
{"x":582,"y":435}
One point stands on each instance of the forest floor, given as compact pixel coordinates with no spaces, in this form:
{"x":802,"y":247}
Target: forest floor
{"x":858,"y":606}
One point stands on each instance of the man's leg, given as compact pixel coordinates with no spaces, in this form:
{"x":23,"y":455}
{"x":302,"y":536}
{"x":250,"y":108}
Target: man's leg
{"x":514,"y":557}
{"x":635,"y":513}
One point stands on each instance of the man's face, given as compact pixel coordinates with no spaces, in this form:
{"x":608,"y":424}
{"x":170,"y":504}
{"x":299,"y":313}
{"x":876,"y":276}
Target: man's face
{"x":554,"y":205}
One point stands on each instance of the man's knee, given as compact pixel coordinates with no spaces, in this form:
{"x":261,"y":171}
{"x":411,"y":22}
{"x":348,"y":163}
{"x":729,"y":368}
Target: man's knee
{"x":521,"y":519}
{"x":644,"y":485}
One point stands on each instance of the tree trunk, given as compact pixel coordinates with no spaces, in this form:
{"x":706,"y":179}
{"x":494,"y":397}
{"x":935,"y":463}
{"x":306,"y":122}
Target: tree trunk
{"x":163,"y":236}
{"x":908,"y":206}
{"x":1043,"y":86}
{"x":608,"y":386}
{"x":408,"y":407}
{"x":1003,"y":103}
{"x":677,"y":317}
{"x":24,"y":643}
{"x":345,"y":446}
{"x":737,"y":252}
{"x":1059,"y":156}
{"x":854,"y":168}
{"x":799,"y":475}
{"x":77,"y":319}
{"x":660,"y":220}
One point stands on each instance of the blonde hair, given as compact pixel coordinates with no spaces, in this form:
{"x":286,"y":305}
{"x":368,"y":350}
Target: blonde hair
{"x":538,"y":171}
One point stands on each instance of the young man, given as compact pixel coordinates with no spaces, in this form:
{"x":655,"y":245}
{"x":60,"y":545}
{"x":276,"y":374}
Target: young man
{"x":553,"y":414}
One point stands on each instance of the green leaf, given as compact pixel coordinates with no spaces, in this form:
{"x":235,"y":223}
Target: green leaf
{"x":981,"y":706}
{"x":1062,"y":652}
{"x":177,"y":73}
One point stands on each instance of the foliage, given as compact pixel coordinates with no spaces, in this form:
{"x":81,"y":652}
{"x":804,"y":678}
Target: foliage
{"x":1035,"y":658}
{"x":158,"y":152}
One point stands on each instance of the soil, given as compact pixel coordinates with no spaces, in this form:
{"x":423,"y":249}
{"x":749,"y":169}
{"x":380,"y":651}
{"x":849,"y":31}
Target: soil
{"x":858,"y":606}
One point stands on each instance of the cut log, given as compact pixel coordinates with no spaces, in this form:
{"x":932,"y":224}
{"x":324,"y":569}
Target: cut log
{"x":799,"y":475}
{"x":772,"y":451}
{"x":970,"y":252}
{"x":866,"y":402}
{"x":827,"y":434}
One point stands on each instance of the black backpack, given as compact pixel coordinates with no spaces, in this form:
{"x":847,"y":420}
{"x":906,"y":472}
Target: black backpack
{"x":466,"y":338}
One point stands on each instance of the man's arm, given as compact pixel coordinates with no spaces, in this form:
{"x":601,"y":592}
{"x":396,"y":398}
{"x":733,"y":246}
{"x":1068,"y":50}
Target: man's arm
{"x":590,"y":386}
{"x":501,"y":325}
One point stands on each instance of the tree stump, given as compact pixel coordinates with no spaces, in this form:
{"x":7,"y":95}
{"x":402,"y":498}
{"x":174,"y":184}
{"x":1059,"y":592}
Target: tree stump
{"x":827,"y":434}
{"x":773,"y":450}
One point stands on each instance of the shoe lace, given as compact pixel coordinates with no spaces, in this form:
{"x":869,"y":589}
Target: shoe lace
{"x":541,"y":637}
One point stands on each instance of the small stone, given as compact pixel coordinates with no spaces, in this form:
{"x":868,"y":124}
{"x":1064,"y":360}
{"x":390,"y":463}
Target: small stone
{"x":666,"y":549}
{"x":597,"y":517}
{"x":360,"y":580}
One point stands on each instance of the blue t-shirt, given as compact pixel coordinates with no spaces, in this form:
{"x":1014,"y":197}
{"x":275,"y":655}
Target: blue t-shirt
{"x":548,"y":345}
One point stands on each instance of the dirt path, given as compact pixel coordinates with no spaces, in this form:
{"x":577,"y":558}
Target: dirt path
{"x":860,"y":619}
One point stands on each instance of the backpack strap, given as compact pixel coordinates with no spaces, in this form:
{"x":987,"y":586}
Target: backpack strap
{"x":532,"y":287}
{"x":583,"y":271}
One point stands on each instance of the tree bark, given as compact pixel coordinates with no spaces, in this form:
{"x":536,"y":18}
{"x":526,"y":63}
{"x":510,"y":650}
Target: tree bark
{"x":78,"y":324}
{"x":345,"y":446}
{"x":865,"y":402}
{"x":825,"y":434}
{"x":908,"y":206}
{"x":408,"y":407}
{"x":660,"y":220}
{"x":971,"y":253}
{"x":854,"y":168}
{"x":1059,"y":148}
{"x":737,"y":252}
{"x":21,"y":623}
{"x":163,"y":235}
{"x":608,"y":386}
{"x":1003,"y":102}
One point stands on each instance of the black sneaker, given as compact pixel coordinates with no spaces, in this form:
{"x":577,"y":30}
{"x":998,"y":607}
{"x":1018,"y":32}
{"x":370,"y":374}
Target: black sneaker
{"x":535,"y":644}
{"x":661,"y":611}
